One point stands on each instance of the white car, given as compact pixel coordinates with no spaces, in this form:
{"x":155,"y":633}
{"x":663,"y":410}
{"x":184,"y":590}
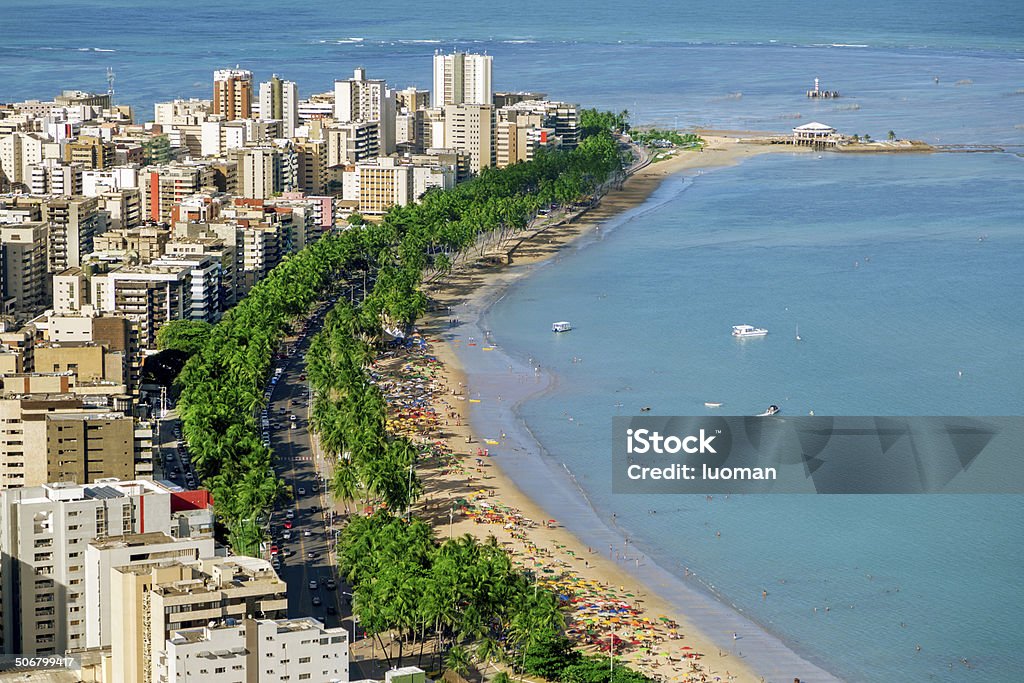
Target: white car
{"x":287,"y":536}
{"x":312,"y":585}
{"x":302,"y":491}
{"x":307,"y":532}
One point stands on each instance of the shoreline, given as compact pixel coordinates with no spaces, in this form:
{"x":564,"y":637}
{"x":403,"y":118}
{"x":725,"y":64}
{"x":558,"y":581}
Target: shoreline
{"x":526,"y":481}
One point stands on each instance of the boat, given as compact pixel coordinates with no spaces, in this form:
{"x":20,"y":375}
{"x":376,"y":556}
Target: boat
{"x":743,"y":331}
{"x":770,"y":410}
{"x":798,"y":333}
{"x":713,"y":404}
{"x":562,"y":326}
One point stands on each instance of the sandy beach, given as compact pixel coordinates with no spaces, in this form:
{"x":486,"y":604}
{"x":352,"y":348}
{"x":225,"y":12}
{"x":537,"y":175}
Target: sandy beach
{"x":465,"y":491}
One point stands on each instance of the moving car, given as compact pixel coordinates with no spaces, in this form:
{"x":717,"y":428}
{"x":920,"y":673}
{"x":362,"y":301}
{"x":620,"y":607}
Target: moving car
{"x":312,"y":585}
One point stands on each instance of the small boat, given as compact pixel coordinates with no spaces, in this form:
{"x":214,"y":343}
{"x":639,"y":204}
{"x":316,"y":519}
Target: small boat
{"x":798,"y":333}
{"x":563,"y":326}
{"x":713,"y":404}
{"x":770,"y":410}
{"x":743,"y":331}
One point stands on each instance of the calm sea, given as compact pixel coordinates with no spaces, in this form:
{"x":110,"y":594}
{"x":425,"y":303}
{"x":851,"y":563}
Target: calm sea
{"x":877,"y":259}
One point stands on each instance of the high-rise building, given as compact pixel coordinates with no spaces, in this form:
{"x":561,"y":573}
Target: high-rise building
{"x":470,"y":128}
{"x":266,"y":170}
{"x":74,"y":222}
{"x":351,"y":142}
{"x":280,"y":100}
{"x":152,"y":602}
{"x":138,"y":550}
{"x":364,"y":100}
{"x":150,"y":295}
{"x":232,"y":93}
{"x":90,"y":151}
{"x":44,"y":531}
{"x":462,"y":78}
{"x":18,"y":152}
{"x":165,"y":186}
{"x":24,"y":256}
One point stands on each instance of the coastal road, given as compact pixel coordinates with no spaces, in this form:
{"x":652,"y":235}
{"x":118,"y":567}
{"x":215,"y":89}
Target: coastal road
{"x":296,"y":462}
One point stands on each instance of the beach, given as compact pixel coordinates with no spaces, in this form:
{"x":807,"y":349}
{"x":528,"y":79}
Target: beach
{"x":482,"y":452}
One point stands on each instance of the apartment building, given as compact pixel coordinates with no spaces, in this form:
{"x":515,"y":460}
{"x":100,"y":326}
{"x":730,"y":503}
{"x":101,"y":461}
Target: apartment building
{"x":19,"y":151}
{"x":265,"y":171}
{"x":102,"y":555}
{"x":462,"y":78}
{"x":221,"y":252}
{"x":147,"y":243}
{"x":164,"y":186}
{"x":367,"y":100}
{"x":24,"y":254}
{"x":280,"y":100}
{"x":264,"y":650}
{"x":232,"y":93}
{"x":90,"y":151}
{"x":44,"y":532}
{"x":351,"y":142}
{"x":150,"y":295}
{"x":154,"y":601}
{"x":74,"y":221}
{"x":123,"y":207}
{"x":470,"y":128}
{"x":54,"y":177}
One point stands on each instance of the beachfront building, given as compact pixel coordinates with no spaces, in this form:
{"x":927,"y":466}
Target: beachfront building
{"x":280,"y":100}
{"x":815,"y":134}
{"x":265,"y":650}
{"x":151,"y":602}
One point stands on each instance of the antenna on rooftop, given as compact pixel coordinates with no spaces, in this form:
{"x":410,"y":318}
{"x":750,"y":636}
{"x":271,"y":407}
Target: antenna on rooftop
{"x":110,"y":85}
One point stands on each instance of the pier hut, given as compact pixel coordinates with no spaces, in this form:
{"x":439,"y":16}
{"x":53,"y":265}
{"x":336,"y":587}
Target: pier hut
{"x":815,"y":134}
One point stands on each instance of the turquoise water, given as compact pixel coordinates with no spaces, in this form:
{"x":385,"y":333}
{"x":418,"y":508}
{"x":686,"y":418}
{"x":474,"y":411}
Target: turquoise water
{"x":893,"y":293}
{"x":877,"y":259}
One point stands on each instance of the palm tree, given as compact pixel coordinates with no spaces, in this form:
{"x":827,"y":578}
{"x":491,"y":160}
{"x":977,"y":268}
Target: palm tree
{"x":892,"y":135}
{"x":457,"y":660}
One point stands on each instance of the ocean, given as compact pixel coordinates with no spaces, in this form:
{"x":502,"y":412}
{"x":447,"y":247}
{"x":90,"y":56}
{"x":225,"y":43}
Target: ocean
{"x":902,"y":272}
{"x":903,"y":297}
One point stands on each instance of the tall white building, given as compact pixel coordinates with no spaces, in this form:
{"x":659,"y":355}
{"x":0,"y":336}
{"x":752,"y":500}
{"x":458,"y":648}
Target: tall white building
{"x":280,"y":100}
{"x":462,"y":78}
{"x":44,"y":531}
{"x":363,"y":99}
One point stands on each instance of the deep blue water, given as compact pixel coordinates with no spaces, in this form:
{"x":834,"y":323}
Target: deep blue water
{"x":877,"y":259}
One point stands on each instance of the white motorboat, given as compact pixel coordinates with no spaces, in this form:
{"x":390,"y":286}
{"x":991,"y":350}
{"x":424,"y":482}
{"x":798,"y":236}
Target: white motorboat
{"x":562,"y":326}
{"x":743,"y":331}
{"x":770,"y":410}
{"x":713,"y":404}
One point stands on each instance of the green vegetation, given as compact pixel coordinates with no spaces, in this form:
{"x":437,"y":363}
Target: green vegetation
{"x":186,"y":336}
{"x":593,"y":122}
{"x":554,"y":659}
{"x":654,"y":135}
{"x":452,"y":594}
{"x":222,"y":383}
{"x":222,"y":388}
